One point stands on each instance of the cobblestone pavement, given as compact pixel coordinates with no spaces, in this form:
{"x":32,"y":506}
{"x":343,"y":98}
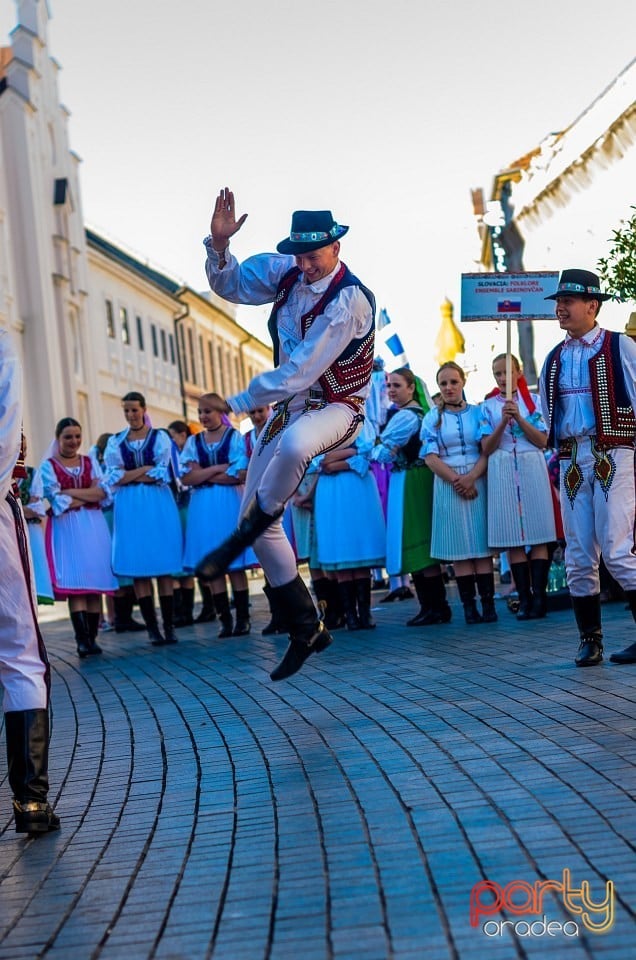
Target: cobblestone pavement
{"x":345,"y":813}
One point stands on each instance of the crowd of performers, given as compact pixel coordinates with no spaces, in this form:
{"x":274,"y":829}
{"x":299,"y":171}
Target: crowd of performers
{"x":424,"y":484}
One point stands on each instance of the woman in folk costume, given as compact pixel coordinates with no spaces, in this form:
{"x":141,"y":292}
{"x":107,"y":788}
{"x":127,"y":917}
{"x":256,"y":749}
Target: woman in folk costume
{"x":147,"y":539}
{"x":31,"y":497}
{"x":78,"y":542}
{"x":411,"y":499}
{"x":520,"y":506}
{"x":349,"y":525}
{"x":451,"y":447}
{"x":214,"y":464}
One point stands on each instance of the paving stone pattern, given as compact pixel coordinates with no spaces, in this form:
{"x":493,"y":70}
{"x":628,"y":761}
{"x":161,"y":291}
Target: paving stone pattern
{"x":346,"y":813}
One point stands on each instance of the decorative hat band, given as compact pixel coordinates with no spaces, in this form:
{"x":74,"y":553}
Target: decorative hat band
{"x":315,"y":235}
{"x":577,"y":288}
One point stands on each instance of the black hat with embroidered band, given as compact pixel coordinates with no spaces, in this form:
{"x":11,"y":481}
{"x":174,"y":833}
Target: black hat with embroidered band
{"x":579,"y":283}
{"x":311,"y":230}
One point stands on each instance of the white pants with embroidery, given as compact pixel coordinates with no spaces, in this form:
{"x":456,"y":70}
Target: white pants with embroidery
{"x":278,"y":464}
{"x":598,"y":518}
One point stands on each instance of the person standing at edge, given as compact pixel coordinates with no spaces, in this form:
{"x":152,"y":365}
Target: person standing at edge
{"x":322,"y":326}
{"x":588,"y":391}
{"x":24,"y":668}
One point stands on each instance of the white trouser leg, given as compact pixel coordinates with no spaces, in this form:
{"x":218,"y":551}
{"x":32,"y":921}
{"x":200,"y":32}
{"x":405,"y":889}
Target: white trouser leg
{"x":278,"y":465}
{"x":22,"y":670}
{"x":595,"y":523}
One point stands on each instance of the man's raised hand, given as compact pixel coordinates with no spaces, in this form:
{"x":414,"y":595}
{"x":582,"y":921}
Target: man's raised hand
{"x":224,"y":223}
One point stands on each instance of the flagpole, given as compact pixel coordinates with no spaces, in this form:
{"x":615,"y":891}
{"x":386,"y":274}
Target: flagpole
{"x":508,"y":358}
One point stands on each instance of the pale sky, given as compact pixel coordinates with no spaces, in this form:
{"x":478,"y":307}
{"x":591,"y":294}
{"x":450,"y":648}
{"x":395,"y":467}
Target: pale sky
{"x":385,"y":113}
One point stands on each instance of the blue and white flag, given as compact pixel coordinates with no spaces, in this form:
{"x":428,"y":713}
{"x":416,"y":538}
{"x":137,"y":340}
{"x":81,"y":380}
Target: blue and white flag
{"x":388,"y":343}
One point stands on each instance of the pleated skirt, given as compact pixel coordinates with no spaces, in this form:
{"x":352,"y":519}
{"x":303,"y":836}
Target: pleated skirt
{"x":147,"y":536}
{"x":349,"y":522}
{"x":78,"y":551}
{"x":460,"y":527}
{"x":213,"y":514}
{"x":520,"y":509}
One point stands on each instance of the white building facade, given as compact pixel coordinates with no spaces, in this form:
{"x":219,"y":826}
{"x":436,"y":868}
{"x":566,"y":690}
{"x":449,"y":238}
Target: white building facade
{"x":91,"y":321}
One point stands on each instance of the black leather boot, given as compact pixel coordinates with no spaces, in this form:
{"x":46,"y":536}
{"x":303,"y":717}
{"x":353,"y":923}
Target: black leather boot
{"x":466,"y":587}
{"x":93,"y":629}
{"x":148,"y":612}
{"x":27,"y":733}
{"x":80,"y":628}
{"x":628,"y":655}
{"x":242,"y":606}
{"x":486,"y":587}
{"x":521,"y":577}
{"x":222,"y":605}
{"x":348,"y":599}
{"x":431,"y":593}
{"x":187,"y":607}
{"x":587,"y":612}
{"x":124,"y":622}
{"x":363,"y":598}
{"x":207,"y":613}
{"x":539,"y":570}
{"x":276,"y":624}
{"x":307,"y":633}
{"x":166,"y":602}
{"x":253,"y":522}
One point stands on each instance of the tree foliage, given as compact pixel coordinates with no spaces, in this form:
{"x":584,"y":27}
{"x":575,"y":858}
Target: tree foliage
{"x":618,"y":269}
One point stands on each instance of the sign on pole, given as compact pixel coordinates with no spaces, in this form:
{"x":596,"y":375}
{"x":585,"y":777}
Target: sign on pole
{"x":508,"y":296}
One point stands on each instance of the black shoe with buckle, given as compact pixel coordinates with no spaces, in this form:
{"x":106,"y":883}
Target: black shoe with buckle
{"x":307,"y":632}
{"x":628,"y":655}
{"x":590,"y":651}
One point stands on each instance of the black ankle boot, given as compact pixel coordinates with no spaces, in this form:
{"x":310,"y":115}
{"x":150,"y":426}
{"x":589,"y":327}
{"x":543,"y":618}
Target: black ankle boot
{"x":521,"y":576}
{"x":363,"y":598}
{"x":27,"y":733}
{"x":587,"y":612}
{"x":79,"y":619}
{"x":207,"y":613}
{"x":539,"y":570}
{"x":253,"y":522}
{"x":466,"y":587}
{"x":148,"y":612}
{"x":486,"y":587}
{"x":93,"y":620}
{"x":242,"y":607}
{"x":222,"y":605}
{"x":307,"y":633}
{"x":431,"y":594}
{"x":166,"y":602}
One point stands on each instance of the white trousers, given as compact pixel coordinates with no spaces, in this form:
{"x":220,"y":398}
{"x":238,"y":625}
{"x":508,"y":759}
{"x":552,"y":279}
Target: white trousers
{"x":294,"y":434}
{"x":22,"y":668}
{"x":597,"y":504}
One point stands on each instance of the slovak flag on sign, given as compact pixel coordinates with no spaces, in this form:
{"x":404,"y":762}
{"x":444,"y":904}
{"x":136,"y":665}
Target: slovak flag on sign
{"x":509,"y":306}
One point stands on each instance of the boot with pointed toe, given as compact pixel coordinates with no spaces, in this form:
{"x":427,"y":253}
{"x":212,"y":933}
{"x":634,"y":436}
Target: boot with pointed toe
{"x":307,"y":632}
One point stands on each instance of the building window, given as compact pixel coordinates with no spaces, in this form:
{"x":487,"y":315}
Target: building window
{"x":193,"y":366}
{"x":211,"y":359}
{"x":221,"y":383}
{"x":155,"y":344}
{"x":204,"y":372}
{"x":237,"y":375}
{"x":164,"y":346}
{"x":182,"y":350}
{"x":173,"y":358}
{"x":125,"y":330}
{"x":110,"y":319}
{"x":140,"y":333}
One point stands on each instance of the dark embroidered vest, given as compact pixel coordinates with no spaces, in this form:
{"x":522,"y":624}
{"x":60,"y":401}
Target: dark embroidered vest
{"x":410,"y":452}
{"x":144,"y":457}
{"x":352,"y":369}
{"x":68,"y":482}
{"x":221,"y":454}
{"x":613,"y":413}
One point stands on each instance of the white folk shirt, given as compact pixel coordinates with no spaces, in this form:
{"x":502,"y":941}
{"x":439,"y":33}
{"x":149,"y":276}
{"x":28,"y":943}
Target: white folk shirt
{"x":301,"y":361}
